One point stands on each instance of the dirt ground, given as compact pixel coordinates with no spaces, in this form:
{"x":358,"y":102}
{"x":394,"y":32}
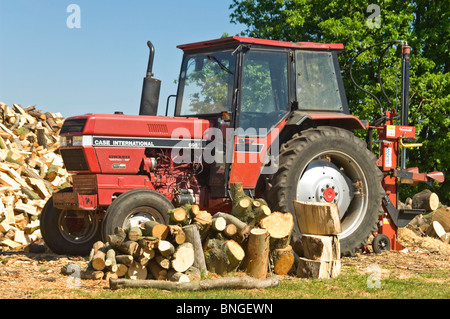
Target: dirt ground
{"x":23,"y":274}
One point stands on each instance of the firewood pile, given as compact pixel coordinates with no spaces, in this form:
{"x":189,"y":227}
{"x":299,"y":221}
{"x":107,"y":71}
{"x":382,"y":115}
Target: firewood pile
{"x":252,"y":239}
{"x":435,"y":222}
{"x":30,"y":171}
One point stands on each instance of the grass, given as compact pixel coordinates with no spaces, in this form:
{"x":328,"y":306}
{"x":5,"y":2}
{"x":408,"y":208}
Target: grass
{"x":432,"y":284}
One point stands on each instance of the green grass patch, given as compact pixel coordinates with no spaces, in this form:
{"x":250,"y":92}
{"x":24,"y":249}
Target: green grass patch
{"x":350,"y":284}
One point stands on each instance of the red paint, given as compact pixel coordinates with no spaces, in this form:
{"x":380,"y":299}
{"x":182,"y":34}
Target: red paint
{"x":142,"y":125}
{"x":239,"y":40}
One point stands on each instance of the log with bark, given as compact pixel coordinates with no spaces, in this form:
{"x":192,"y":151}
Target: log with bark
{"x":223,"y":256}
{"x":245,"y":208}
{"x":179,"y":215}
{"x":425,"y":200}
{"x":155,"y":229}
{"x":282,"y":260}
{"x":317,"y":247}
{"x":98,"y":257}
{"x":238,"y":282}
{"x":307,"y":268}
{"x":243,"y":230}
{"x":257,"y":257}
{"x":193,"y":236}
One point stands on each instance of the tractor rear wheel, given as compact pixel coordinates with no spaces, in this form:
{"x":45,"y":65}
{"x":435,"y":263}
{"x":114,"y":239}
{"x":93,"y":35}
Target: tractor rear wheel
{"x":329,"y":164}
{"x":134,"y":208}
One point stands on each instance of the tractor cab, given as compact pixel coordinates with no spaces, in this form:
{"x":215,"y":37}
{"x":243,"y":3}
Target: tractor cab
{"x":251,"y":90}
{"x":258,"y":82}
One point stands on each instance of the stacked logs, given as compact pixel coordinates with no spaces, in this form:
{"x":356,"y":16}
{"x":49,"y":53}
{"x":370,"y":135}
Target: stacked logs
{"x":252,"y":239}
{"x":148,"y":251}
{"x":320,"y":225}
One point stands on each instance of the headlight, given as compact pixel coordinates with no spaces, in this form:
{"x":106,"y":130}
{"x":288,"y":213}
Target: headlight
{"x":77,"y":140}
{"x":63,"y":141}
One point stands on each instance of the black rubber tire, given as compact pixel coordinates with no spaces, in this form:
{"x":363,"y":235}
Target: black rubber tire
{"x":53,"y":234}
{"x":132,"y":202}
{"x":381,"y":244}
{"x":300,"y":150}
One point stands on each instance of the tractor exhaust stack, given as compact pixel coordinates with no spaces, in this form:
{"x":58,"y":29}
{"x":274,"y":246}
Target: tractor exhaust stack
{"x":151,"y":88}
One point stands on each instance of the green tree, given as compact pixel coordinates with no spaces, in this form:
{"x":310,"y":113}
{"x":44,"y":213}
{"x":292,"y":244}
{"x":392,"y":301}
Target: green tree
{"x":424,"y":24}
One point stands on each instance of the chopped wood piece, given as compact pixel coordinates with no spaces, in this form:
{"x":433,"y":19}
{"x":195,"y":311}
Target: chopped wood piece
{"x":166,"y":248}
{"x":126,"y":260}
{"x":223,"y":256}
{"x":137,"y":271}
{"x":425,"y":200}
{"x":283,"y":260}
{"x":156,"y":271}
{"x":325,"y":248}
{"x":316,"y":218}
{"x":278,"y":224}
{"x":184,"y":257}
{"x":219,"y":223}
{"x":307,"y":268}
{"x":177,"y":234}
{"x":179,"y":216}
{"x":258,"y":253}
{"x":230,"y":230}
{"x":134,"y":233}
{"x":193,"y":236}
{"x":155,"y":229}
{"x":98,"y":259}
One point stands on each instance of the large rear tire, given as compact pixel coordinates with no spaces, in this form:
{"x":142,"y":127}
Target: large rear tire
{"x":330,"y":164}
{"x":68,"y":232}
{"x":135,"y":207}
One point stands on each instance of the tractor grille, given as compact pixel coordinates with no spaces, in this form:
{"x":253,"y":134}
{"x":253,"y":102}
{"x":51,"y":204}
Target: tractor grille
{"x":85,"y":184}
{"x":158,"y":129}
{"x":74,"y":160}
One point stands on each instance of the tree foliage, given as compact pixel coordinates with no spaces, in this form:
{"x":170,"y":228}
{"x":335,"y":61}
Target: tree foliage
{"x":424,"y":24}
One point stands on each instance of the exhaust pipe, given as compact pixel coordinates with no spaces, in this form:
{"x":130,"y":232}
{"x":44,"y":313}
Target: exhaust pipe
{"x":151,"y":88}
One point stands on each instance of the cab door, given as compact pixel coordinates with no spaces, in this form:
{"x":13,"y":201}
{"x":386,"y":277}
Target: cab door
{"x":261,"y":111}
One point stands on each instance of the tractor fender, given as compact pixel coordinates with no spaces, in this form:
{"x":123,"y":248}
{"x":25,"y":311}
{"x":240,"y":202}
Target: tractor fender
{"x":346,"y":121}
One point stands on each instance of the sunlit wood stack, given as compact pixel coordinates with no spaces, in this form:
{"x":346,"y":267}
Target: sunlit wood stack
{"x":252,"y":239}
{"x":320,"y":225}
{"x":31,"y":169}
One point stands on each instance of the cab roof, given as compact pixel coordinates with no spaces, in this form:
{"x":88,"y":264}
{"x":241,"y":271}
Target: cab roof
{"x":242,"y":40}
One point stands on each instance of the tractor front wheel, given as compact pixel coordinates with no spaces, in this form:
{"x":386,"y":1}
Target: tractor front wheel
{"x":331,"y":165}
{"x":69,"y":232}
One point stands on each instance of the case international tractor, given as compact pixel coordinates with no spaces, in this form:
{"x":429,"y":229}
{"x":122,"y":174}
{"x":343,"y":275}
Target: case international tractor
{"x":271,"y":115}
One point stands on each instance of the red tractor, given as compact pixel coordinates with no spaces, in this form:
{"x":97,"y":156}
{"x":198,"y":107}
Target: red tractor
{"x":268,"y":114}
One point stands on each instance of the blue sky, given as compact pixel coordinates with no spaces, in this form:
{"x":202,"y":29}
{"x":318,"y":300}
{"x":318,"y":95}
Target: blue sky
{"x":100,"y":66}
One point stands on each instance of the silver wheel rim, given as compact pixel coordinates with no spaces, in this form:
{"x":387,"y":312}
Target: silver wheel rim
{"x":140,"y":216}
{"x":335,"y":177}
{"x":77,"y":227}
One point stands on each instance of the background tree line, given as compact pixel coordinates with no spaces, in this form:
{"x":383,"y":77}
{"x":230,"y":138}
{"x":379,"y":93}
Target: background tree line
{"x":424,"y":24}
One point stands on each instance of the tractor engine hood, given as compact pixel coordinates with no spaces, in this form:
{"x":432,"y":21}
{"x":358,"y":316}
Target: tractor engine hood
{"x":135,"y":126}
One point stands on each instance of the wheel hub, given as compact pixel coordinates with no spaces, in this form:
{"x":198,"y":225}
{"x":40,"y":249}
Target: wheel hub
{"x":322,"y":181}
{"x":329,"y":194}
